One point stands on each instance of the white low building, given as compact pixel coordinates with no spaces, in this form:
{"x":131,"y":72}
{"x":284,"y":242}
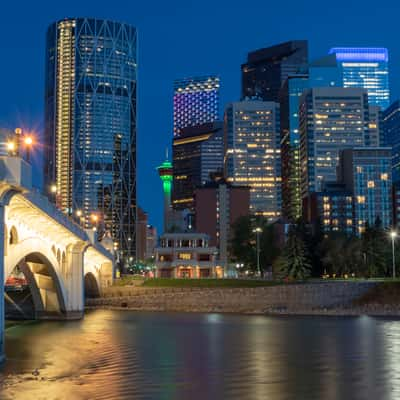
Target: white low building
{"x":186,"y":255}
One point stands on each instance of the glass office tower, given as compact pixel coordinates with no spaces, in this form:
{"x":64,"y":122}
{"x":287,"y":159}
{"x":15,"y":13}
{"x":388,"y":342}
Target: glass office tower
{"x":366,"y":68}
{"x":366,"y":171}
{"x":290,"y":93}
{"x":253,"y":155}
{"x":196,"y":102}
{"x":391,"y":136}
{"x":331,"y":119}
{"x":267,"y":69}
{"x":90,"y":127}
{"x":197,"y":152}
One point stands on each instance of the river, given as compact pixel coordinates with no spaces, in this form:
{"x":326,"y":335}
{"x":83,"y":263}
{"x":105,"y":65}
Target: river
{"x":135,"y":355}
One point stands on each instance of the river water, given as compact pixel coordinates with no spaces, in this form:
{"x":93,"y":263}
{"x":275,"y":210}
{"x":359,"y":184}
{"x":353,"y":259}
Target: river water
{"x":135,"y":355}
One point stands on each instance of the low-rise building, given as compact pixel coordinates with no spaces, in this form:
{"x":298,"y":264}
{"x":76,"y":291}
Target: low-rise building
{"x":186,"y":255}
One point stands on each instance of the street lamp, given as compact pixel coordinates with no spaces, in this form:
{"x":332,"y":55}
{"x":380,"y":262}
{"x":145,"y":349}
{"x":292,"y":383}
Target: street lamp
{"x":28,"y":144}
{"x":257,"y":231}
{"x":11,"y":147}
{"x":393,"y":235}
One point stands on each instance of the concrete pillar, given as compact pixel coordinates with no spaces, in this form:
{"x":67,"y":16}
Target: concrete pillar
{"x":2,"y":267}
{"x":74,"y":281}
{"x":106,"y":275}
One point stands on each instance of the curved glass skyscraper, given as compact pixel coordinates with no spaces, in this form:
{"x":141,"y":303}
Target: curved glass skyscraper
{"x":90,"y":131}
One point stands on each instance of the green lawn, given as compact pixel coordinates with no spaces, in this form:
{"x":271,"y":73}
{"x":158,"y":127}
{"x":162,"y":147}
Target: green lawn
{"x":167,"y":282}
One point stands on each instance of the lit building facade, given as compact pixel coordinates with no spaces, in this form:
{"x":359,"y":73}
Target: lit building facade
{"x":332,"y":208}
{"x":375,"y":127}
{"x":253,"y":155}
{"x":90,"y":124}
{"x":196,"y":101}
{"x":186,"y":255}
{"x":197,"y":152}
{"x":290,"y":93}
{"x":331,"y":119}
{"x":366,"y":172}
{"x":267,"y":69}
{"x":366,"y":68}
{"x":391,"y":136}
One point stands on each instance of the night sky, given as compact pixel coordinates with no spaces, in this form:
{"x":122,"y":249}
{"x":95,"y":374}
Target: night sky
{"x":177,"y":39}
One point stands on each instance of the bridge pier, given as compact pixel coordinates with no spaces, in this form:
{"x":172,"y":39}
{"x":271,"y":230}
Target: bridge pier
{"x":75,"y":281}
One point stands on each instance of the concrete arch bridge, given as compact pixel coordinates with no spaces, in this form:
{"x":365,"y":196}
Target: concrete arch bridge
{"x":47,"y":262}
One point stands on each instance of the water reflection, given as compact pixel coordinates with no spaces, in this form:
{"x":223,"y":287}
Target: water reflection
{"x":127,"y":355}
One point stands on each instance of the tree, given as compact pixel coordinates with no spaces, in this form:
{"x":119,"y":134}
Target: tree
{"x":374,"y":249}
{"x":340,"y":254}
{"x":295,"y":263}
{"x":243,"y":242}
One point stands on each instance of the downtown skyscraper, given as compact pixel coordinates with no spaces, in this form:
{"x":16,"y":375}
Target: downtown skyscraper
{"x":197,"y":147}
{"x":253,"y":155}
{"x":331,"y":119}
{"x":266,"y":69}
{"x":365,"y":67}
{"x":90,"y":124}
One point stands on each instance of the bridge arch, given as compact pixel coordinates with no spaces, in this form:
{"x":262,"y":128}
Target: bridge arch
{"x":36,"y":260}
{"x":92,"y":288}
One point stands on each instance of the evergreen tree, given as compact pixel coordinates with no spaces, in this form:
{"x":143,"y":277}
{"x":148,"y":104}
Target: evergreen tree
{"x":295,"y":261}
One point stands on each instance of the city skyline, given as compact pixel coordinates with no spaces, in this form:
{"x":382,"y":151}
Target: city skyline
{"x":27,"y":110}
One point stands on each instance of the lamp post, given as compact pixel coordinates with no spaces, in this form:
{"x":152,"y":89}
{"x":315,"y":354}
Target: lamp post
{"x":393,"y":235}
{"x":257,"y":231}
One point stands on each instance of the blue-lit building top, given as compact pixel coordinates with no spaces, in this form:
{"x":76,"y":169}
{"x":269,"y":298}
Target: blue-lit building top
{"x":367,"y":68}
{"x":196,"y":102}
{"x":90,"y":124}
{"x":391,"y":136}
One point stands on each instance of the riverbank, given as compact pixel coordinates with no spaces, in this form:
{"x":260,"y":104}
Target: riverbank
{"x":323,"y":298}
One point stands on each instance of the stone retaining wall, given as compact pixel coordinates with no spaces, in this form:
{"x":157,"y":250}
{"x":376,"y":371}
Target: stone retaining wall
{"x":280,"y":298}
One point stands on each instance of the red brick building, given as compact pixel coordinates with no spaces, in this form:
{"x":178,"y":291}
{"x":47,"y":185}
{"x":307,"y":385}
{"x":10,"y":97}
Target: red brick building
{"x":217,"y":206}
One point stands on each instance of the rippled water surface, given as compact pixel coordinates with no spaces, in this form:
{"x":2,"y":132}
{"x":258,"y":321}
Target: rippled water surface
{"x":130,"y":355}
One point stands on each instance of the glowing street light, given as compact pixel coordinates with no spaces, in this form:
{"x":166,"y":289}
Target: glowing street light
{"x":393,"y":235}
{"x":11,"y":147}
{"x":53,"y":188}
{"x":28,"y":141}
{"x":79,"y":213}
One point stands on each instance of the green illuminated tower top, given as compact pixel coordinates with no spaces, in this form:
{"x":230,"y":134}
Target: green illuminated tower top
{"x":166,"y":175}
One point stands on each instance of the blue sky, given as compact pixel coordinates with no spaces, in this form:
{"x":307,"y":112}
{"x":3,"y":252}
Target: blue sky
{"x":177,"y":39}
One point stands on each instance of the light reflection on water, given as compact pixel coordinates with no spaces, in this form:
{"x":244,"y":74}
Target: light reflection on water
{"x":128,"y":355}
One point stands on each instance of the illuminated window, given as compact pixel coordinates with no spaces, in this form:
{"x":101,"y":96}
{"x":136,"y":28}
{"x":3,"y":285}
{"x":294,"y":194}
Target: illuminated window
{"x":359,"y":169}
{"x":361,"y":199}
{"x":371,"y":184}
{"x":384,"y":177}
{"x":184,"y":256}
